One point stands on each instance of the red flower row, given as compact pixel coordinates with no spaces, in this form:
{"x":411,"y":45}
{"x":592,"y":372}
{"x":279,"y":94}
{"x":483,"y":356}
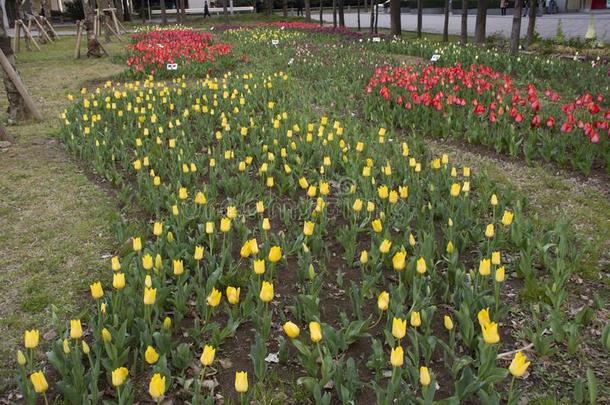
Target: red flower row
{"x":155,"y":49}
{"x":491,"y":94}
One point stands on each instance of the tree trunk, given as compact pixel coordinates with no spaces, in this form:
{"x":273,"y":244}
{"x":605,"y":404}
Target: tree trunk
{"x":531,"y":24}
{"x":94,"y":49}
{"x":321,"y":10}
{"x":358,"y":10}
{"x":372,"y":17}
{"x":308,"y":10}
{"x":376,"y":16}
{"x":341,"y":14}
{"x":395,"y":28}
{"x":183,"y":11}
{"x":16,"y":110}
{"x":120,"y":12}
{"x":516,"y":31}
{"x":464,"y":34}
{"x":285,"y":8}
{"x":163,"y":12}
{"x":335,"y":13}
{"x":479,"y":28}
{"x":419,"y":17}
{"x":225,"y":10}
{"x":269,"y":7}
{"x":446,"y":23}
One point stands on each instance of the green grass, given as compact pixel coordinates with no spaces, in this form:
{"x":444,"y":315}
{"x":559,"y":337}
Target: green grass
{"x":55,"y":221}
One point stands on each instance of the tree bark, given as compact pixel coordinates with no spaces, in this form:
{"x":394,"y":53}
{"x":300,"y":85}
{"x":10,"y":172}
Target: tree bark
{"x":395,"y":23}
{"x":531,"y":24}
{"x":94,"y":48}
{"x":225,"y":10}
{"x":464,"y":33}
{"x":335,"y":13}
{"x":120,"y":12}
{"x":446,"y":22}
{"x":376,"y":16}
{"x":372,"y":16}
{"x":341,"y":14}
{"x":285,"y":8}
{"x":479,"y":28}
{"x":269,"y":7}
{"x":182,"y":11}
{"x":419,"y":17}
{"x":308,"y":10}
{"x":16,"y":109}
{"x":321,"y":9}
{"x":516,"y":31}
{"x":358,"y":11}
{"x":163,"y":12}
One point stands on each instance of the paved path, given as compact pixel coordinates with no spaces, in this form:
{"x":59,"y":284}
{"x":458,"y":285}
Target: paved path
{"x":574,"y":25}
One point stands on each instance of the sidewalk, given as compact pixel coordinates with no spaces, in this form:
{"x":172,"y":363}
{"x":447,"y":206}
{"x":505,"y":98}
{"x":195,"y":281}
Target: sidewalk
{"x":574,"y":24}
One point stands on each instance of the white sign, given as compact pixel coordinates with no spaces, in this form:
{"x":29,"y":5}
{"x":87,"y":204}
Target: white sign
{"x":435,"y":57}
{"x":172,"y":66}
{"x":376,"y":39}
{"x":275,"y":42}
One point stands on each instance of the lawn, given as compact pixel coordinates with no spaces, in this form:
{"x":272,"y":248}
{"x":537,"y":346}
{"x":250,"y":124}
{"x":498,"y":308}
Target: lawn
{"x":265,"y":163}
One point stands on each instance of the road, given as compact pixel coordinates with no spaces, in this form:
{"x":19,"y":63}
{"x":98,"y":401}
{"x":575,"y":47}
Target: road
{"x":574,"y":25}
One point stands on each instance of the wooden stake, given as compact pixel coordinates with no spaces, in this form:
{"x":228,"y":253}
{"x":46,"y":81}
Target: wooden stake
{"x":17,"y":37}
{"x":10,"y":72}
{"x":28,"y":34}
{"x":48,"y":23}
{"x":79,"y":34}
{"x":112,"y":30}
{"x":41,"y":29}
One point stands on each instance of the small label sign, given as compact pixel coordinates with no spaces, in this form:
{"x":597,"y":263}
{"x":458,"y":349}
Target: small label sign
{"x":275,"y":42}
{"x":172,"y":66}
{"x":435,"y":57}
{"x":376,"y":39}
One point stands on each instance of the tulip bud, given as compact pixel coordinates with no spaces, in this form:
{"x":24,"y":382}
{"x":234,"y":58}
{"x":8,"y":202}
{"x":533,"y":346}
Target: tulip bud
{"x":21,"y":358}
{"x":397,"y":357}
{"x":167,"y":323}
{"x":424,"y":376}
{"x":448,"y":322}
{"x":315,"y":332}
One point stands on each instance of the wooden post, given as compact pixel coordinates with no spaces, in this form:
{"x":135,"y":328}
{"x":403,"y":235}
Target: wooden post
{"x":28,"y":34}
{"x":10,"y":72}
{"x":41,"y":29}
{"x":48,"y":23}
{"x":116,"y":34}
{"x":79,"y":34}
{"x":17,"y":36}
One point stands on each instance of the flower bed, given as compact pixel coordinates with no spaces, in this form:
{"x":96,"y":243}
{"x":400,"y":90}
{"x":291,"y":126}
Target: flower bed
{"x":194,"y":52}
{"x":485,"y":106}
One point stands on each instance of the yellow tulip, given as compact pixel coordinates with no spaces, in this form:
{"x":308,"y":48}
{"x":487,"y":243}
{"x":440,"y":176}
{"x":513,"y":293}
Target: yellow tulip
{"x":415,"y":319}
{"x":266,"y":293}
{"x":147,"y":261}
{"x":364,"y":257}
{"x":150,"y":355}
{"x":150,"y":295}
{"x":275,"y":254}
{"x":119,"y":375}
{"x":39,"y":382}
{"x":496,"y":258}
{"x":397,"y":357}
{"x":118,"y":281}
{"x":421,"y":265}
{"x":31,"y":338}
{"x":214,"y":298}
{"x":209,"y":228}
{"x":66,"y":346}
{"x":448,"y":322}
{"x":483,"y":317}
{"x":167,"y":323}
{"x":178,"y":267}
{"x":157,"y":228}
{"x":97,"y":291}
{"x":385,"y":246}
{"x":136,"y":244}
{"x":198,"y":255}
{"x":231,"y":212}
{"x":424,"y":376}
{"x":260,"y":207}
{"x":207,"y":357}
{"x":455,"y":189}
{"x":86,"y":348}
{"x":357,"y":206}
{"x":156,"y":388}
{"x":519,"y":365}
{"x":303,"y":183}
{"x":485,"y":267}
{"x":450,"y":247}
{"x":21,"y":358}
{"x":308,"y":228}
{"x":412,"y":240}
{"x":383,"y":301}
{"x":466,"y":171}
{"x":106,"y":336}
{"x":291,"y":330}
{"x":241,"y":381}
{"x":399,"y":328}
{"x":115,"y":263}
{"x":376,"y":224}
{"x":259,"y":266}
{"x":500,"y":274}
{"x":183,"y":193}
{"x":200,"y":198}
{"x":489,"y":231}
{"x":490,"y":333}
{"x":76,"y":329}
{"x":494,"y":200}
{"x":382,"y":191}
{"x":507,"y":218}
{"x":233,"y":295}
{"x":315,"y":331}
{"x":399,"y":260}
{"x":225,"y":225}
{"x":266,"y":224}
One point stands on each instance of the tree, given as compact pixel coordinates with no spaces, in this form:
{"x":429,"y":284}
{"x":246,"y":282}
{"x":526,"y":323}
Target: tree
{"x":395,"y":26}
{"x":225,"y":10}
{"x":479,"y":28}
{"x":358,"y":10}
{"x":531,"y":24}
{"x":372,"y":16}
{"x":419,"y":17}
{"x":94,"y":48}
{"x":321,"y":9}
{"x":464,"y":34}
{"x":516,"y":31}
{"x":341,"y":14}
{"x":182,"y":11}
{"x":446,"y":22}
{"x":163,"y":12}
{"x":16,"y":105}
{"x":308,"y":10}
{"x":335,"y":13}
{"x":285,"y":8}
